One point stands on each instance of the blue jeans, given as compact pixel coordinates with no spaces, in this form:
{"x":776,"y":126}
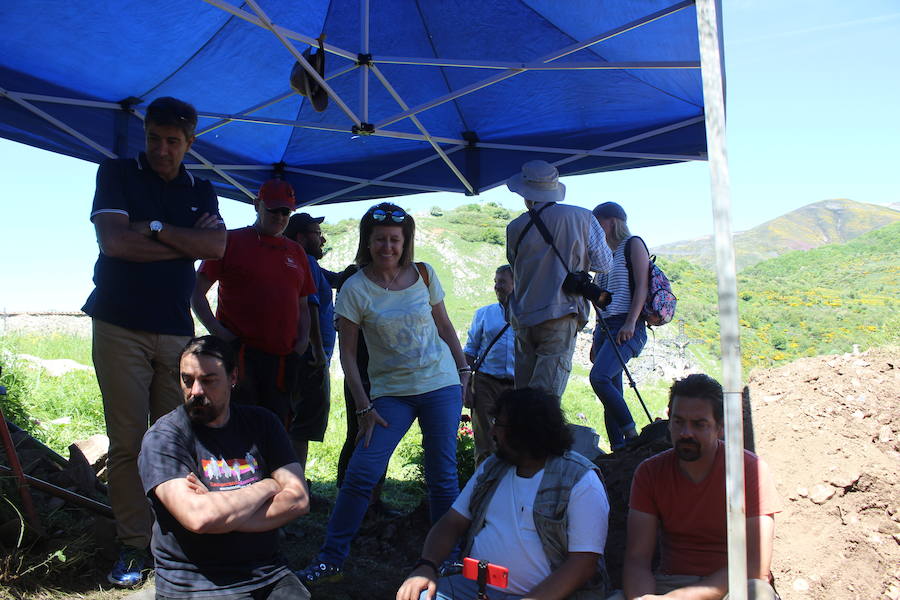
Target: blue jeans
{"x":438,"y":412}
{"x":606,"y":376}
{"x":457,"y":587}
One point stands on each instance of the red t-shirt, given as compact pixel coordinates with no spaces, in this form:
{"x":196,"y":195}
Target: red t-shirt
{"x":694,"y":538}
{"x":261,"y":280}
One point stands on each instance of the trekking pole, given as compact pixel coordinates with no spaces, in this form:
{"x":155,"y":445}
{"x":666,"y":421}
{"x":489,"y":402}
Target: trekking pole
{"x":615,"y":347}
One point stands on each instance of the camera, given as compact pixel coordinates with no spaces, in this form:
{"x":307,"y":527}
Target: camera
{"x":580,"y":283}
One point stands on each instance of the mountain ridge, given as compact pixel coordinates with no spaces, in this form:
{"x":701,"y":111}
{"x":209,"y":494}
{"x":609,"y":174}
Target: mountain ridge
{"x":832,"y":221}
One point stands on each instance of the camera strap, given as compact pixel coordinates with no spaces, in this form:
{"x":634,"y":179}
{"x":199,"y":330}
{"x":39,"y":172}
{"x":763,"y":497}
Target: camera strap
{"x":545,"y":233}
{"x":480,"y":359}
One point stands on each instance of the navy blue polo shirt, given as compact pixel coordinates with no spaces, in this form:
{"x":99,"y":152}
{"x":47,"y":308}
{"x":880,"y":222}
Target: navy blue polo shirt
{"x":147,"y":296}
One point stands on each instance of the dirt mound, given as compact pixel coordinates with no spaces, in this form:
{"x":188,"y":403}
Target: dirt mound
{"x":828,"y":427}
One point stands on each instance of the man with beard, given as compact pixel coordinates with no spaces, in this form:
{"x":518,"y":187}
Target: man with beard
{"x":491,"y":340}
{"x":682,"y":492}
{"x":511,"y":510}
{"x":221,"y":479}
{"x":311,"y":397}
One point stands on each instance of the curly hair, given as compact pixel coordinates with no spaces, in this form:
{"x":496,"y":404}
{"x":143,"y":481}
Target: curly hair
{"x":368,"y":224}
{"x":534,"y":422}
{"x":701,"y":386}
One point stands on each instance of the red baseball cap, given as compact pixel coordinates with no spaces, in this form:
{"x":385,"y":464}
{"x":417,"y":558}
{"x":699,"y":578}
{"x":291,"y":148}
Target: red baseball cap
{"x":277,"y":193}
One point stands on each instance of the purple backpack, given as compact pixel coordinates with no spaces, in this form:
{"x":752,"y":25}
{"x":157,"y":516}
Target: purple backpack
{"x":659,"y":308}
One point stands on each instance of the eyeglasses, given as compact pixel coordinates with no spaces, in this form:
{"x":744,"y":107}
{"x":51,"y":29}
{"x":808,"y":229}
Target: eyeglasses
{"x":397,"y":216}
{"x":494,"y":423}
{"x":281,"y":210}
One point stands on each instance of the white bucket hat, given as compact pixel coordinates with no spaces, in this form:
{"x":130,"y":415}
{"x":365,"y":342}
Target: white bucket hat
{"x":538,"y":182}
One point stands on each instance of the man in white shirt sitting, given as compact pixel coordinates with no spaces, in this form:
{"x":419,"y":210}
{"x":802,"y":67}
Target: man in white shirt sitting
{"x":534,"y":507}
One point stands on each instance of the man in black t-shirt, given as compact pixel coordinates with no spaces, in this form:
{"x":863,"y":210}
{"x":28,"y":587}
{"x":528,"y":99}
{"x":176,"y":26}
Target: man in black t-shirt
{"x":222,"y":479}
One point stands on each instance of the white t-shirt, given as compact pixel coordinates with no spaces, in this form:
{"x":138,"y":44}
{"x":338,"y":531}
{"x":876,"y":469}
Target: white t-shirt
{"x":509,"y":537}
{"x":406,"y":354}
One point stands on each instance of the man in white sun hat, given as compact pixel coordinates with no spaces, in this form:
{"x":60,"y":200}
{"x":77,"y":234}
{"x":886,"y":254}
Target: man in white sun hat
{"x":549,"y":245}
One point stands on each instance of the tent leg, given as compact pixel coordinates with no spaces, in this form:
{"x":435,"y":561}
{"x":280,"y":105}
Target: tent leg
{"x":714,"y":100}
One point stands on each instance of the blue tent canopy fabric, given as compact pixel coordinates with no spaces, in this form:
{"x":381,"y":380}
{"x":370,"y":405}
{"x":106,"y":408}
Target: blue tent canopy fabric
{"x":433,"y":95}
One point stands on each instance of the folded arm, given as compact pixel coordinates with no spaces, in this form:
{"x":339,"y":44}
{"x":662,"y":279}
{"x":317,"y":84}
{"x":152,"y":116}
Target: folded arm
{"x":285,"y":506}
{"x":117,"y":240}
{"x":200,"y":511}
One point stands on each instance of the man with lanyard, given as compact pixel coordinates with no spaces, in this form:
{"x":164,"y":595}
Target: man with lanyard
{"x":264,"y":280}
{"x":153,"y":220}
{"x":545,"y":317}
{"x":311,"y":399}
{"x":490,"y":351}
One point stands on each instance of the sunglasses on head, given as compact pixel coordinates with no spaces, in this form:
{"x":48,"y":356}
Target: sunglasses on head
{"x":397,"y":216}
{"x":281,"y":210}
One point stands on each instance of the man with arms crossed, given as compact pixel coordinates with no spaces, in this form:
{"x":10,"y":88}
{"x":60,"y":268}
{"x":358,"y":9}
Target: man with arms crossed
{"x":264,"y":280}
{"x":497,"y":370}
{"x":534,"y":507}
{"x":682,"y":491}
{"x":222,"y":479}
{"x":153,"y":219}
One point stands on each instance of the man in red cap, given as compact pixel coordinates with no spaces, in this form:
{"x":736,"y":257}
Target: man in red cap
{"x":264,"y":279}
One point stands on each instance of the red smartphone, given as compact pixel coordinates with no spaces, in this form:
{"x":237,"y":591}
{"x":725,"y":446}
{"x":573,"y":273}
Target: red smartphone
{"x":496,"y":575}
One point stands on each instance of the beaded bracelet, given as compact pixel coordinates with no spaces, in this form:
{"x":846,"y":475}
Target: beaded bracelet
{"x":366,"y":410}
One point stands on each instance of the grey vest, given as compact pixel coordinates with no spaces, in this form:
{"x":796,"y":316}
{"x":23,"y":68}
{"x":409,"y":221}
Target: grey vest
{"x":537,"y":270}
{"x":551,"y":518}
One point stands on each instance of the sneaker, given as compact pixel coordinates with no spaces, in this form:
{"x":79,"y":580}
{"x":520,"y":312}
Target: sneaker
{"x":127,"y":572}
{"x":320,"y":573}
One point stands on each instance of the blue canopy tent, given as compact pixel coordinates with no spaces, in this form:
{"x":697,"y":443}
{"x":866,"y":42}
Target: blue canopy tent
{"x":426,"y":95}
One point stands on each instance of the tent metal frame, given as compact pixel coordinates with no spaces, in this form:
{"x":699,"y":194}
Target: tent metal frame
{"x":442,"y":146}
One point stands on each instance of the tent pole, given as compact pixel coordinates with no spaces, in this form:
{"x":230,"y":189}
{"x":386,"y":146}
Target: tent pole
{"x":729,"y":336}
{"x":364,"y":72}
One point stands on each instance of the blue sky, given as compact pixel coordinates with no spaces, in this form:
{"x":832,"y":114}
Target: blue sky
{"x":813,"y":113}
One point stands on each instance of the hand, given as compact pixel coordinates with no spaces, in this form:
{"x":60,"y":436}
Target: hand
{"x":207,"y":221}
{"x":420,"y":579}
{"x":625,"y":333}
{"x":367,"y":424}
{"x":468,"y":395}
{"x":141,"y":227}
{"x":301,"y":349}
{"x":195,"y":485}
{"x":592,"y":354}
{"x":318,"y":359}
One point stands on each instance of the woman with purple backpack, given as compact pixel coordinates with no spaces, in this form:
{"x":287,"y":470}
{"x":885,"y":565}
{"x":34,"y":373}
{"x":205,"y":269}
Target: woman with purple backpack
{"x":623,"y":318}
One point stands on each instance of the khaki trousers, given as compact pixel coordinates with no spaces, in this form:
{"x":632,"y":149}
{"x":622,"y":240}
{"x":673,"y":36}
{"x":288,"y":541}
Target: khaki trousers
{"x":137,"y":372}
{"x":544,"y":354}
{"x":485,"y":391}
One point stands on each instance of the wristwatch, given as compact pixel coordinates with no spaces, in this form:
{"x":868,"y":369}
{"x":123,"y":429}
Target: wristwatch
{"x":155,"y":228}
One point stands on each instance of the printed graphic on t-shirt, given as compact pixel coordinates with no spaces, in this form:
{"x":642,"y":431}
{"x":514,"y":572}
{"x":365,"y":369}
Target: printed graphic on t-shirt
{"x":229,"y":474}
{"x":406,"y":332}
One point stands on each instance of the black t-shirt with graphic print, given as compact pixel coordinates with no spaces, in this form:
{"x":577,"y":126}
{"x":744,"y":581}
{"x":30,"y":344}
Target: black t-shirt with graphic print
{"x":247,"y":449}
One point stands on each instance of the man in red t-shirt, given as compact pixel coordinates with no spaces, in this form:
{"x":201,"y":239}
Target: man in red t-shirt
{"x":681,"y":492}
{"x":264,"y":280}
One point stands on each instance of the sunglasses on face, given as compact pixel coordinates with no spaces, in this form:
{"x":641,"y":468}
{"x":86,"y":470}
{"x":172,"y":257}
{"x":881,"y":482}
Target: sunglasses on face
{"x":281,"y":210}
{"x":397,"y":216}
